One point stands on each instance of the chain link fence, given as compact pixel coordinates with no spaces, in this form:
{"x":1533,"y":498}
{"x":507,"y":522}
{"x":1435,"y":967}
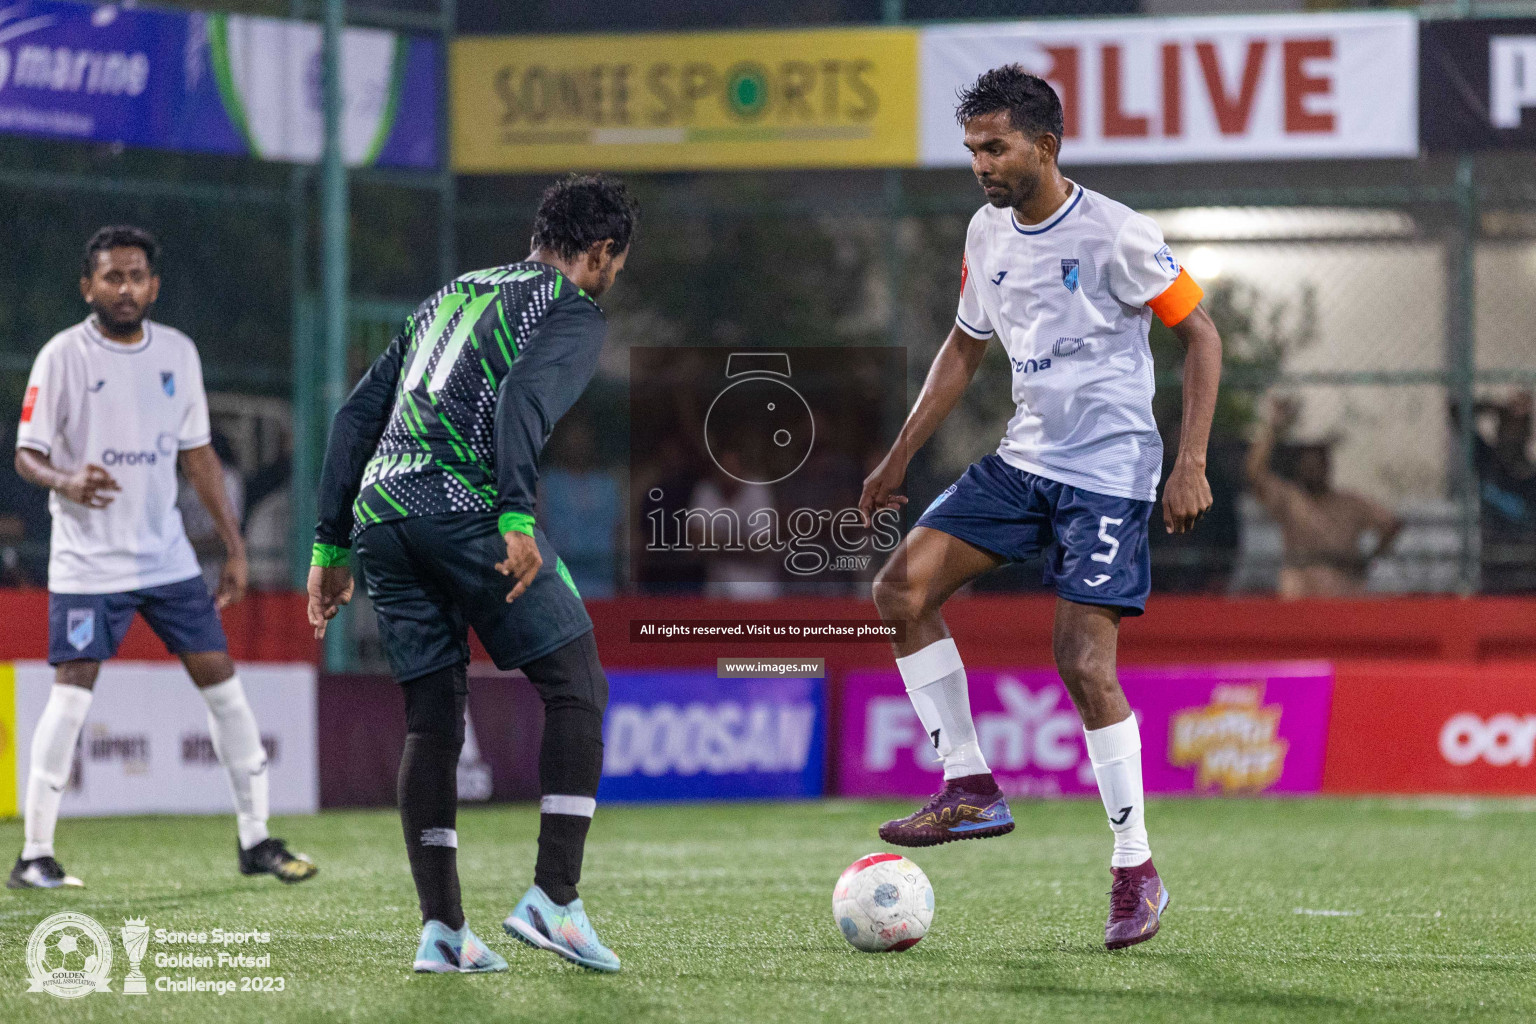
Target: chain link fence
{"x":1344,"y":286}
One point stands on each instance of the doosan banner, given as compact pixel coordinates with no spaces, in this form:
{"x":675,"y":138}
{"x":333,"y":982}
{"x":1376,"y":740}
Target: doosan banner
{"x":213,"y":83}
{"x":1207,"y":729}
{"x":672,"y":735}
{"x":1159,"y":90}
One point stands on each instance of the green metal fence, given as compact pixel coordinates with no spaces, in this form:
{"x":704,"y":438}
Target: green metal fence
{"x":1420,"y":278}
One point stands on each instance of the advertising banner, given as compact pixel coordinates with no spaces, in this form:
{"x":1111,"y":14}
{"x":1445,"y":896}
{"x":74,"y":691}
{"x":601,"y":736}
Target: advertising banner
{"x":1204,"y":729}
{"x":362,"y":734}
{"x":703,"y":100}
{"x":680,"y":735}
{"x":1478,"y":84}
{"x":10,"y":784}
{"x":212,"y":83}
{"x":1433,"y":729}
{"x":145,"y":747}
{"x":1160,"y":90}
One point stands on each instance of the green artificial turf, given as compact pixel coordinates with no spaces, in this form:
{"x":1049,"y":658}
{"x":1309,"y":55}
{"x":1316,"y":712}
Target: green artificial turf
{"x":1319,"y":910}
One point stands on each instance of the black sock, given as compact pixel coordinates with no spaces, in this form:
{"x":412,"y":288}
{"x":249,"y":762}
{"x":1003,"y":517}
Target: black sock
{"x":562,"y":842}
{"x":428,"y":790}
{"x":575,"y":694}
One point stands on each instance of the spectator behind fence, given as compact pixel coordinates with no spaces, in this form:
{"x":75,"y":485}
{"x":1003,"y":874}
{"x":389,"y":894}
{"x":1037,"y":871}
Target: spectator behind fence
{"x":202,"y":532}
{"x":1507,"y":485}
{"x":1329,"y":536}
{"x":579,"y":511}
{"x":724,"y":511}
{"x":24,"y":528}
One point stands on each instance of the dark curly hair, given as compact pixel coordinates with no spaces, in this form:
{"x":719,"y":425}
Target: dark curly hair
{"x":1033,"y":106}
{"x":116,"y":236}
{"x":581,"y":210}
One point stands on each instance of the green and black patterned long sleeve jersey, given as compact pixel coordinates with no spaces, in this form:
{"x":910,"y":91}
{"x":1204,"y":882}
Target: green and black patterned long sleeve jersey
{"x":453,"y":416}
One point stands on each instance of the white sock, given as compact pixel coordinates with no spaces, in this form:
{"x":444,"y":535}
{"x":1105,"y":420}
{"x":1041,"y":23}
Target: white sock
{"x":1115,"y":751}
{"x":237,"y":741}
{"x":53,"y":749}
{"x":935,"y":679}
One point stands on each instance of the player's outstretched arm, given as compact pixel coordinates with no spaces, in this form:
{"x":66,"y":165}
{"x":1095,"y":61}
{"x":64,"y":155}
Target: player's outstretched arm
{"x":204,"y":470}
{"x":948,"y":377}
{"x":1187,"y":494}
{"x":90,"y":485}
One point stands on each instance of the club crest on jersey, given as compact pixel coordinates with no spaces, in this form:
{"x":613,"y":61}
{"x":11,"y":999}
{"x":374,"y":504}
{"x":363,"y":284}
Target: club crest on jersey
{"x":168,"y":383}
{"x":1164,"y":258}
{"x":1069,"y":274}
{"x":80,"y":628}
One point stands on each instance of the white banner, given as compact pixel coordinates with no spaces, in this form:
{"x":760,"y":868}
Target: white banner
{"x":145,"y":747}
{"x":1164,"y":90}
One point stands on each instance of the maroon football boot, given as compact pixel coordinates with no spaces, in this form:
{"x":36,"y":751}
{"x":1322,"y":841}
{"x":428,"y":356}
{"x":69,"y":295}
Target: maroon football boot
{"x":967,"y":808}
{"x":1136,"y":904}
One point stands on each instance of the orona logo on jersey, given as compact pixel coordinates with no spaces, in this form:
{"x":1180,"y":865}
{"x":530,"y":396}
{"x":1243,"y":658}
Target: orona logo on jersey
{"x":1503,"y":740}
{"x":115,"y":457}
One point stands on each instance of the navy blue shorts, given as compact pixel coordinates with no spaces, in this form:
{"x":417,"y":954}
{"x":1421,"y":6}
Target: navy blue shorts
{"x":90,"y":627}
{"x":1095,"y":545}
{"x":432,"y":578}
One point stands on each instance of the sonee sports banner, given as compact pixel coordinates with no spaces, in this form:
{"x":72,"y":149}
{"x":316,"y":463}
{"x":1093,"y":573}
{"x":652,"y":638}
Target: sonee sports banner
{"x":701,"y":100}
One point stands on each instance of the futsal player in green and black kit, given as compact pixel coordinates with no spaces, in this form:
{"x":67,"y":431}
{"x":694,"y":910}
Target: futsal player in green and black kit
{"x":429,"y":480}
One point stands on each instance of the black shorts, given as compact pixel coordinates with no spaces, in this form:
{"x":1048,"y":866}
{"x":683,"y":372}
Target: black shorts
{"x":432,"y":577}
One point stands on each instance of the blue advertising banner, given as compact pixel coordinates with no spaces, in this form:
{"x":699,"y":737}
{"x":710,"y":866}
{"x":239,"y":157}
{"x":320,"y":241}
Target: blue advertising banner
{"x":213,"y":83}
{"x":686,"y":735}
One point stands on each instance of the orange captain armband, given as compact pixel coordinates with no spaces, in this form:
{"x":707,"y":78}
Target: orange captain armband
{"x":1178,"y":300}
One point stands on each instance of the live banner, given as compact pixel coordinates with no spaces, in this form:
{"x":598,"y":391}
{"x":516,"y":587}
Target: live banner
{"x":1162,"y":90}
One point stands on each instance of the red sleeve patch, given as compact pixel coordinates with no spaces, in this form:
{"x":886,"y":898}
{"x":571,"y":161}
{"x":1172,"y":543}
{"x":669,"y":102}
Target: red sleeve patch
{"x":28,"y":403}
{"x":965,"y":273}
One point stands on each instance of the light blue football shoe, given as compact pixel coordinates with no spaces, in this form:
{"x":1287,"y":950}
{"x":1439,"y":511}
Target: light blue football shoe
{"x":445,"y":951}
{"x":544,"y":924}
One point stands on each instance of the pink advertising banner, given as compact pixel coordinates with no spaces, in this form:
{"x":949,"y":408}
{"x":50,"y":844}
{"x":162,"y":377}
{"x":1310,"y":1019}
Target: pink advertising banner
{"x":1252,"y":728}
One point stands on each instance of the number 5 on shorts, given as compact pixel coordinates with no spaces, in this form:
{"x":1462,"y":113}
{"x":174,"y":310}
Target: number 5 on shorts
{"x":1105,"y":522}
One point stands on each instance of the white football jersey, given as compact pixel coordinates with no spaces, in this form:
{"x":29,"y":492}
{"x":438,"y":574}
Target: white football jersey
{"x":1071,"y":299}
{"x":129,"y":409}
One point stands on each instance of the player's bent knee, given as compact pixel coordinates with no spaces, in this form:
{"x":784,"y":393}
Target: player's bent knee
{"x":902,"y":600}
{"x":208,"y":668}
{"x":571,"y":677}
{"x":1086,"y":669}
{"x":77,"y":673}
{"x":434,"y":705}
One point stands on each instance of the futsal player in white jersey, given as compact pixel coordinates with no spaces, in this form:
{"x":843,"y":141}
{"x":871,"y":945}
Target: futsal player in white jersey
{"x":1067,"y":281}
{"x":112,"y":405}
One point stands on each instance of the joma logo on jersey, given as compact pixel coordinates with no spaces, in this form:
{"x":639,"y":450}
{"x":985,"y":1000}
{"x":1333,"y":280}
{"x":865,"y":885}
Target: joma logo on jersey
{"x":1029,"y":365}
{"x":386,"y":466}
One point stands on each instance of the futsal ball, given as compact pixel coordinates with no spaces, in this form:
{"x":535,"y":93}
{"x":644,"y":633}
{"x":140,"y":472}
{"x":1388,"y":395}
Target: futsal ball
{"x":883,"y":903}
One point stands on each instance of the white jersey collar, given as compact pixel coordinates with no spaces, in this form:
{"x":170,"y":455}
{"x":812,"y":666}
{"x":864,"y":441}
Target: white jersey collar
{"x":94,"y":333}
{"x":1065,"y":208}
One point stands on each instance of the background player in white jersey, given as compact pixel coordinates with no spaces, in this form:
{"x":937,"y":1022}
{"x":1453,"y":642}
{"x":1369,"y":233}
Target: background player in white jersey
{"x":111,"y":406}
{"x":1068,"y":281}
